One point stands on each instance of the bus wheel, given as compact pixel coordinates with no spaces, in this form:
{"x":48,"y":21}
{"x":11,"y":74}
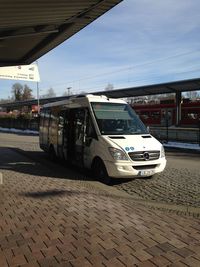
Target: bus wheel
{"x":99,"y":171}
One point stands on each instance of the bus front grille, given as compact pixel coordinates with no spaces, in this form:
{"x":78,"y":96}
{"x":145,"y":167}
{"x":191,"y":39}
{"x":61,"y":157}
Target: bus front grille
{"x":144,"y":155}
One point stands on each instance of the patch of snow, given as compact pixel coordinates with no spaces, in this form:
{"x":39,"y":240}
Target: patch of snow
{"x":182,"y":145}
{"x":169,"y":144}
{"x":12,"y":130}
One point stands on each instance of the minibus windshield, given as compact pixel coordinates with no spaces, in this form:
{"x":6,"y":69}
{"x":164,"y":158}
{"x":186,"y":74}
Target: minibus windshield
{"x":117,"y":119}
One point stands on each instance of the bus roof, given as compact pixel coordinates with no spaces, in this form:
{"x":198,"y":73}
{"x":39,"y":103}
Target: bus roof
{"x":84,"y":99}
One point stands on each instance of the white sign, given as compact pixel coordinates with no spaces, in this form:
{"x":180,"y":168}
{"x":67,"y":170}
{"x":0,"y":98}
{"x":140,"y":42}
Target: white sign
{"x":23,"y":72}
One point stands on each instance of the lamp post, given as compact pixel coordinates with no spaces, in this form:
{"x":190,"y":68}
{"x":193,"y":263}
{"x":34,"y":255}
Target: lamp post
{"x":167,"y":125}
{"x":38,"y":94}
{"x":68,"y":91}
{"x":38,"y":97}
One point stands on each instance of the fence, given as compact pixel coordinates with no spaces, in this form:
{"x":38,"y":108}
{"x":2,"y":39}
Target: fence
{"x":20,"y":123}
{"x":190,"y":135}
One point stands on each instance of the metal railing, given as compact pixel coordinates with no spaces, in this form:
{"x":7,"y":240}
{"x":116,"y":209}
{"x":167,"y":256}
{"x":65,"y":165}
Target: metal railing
{"x":20,"y":123}
{"x":190,"y":135}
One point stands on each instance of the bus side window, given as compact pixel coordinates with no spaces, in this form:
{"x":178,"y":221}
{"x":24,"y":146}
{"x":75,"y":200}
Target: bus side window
{"x":90,"y":130}
{"x":41,"y":126}
{"x":46,"y":119}
{"x":79,"y":124}
{"x":41,"y":119}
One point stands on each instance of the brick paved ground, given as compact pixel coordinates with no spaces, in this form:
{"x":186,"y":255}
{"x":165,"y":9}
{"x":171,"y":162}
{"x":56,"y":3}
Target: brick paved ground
{"x":46,"y":220}
{"x":179,"y":184}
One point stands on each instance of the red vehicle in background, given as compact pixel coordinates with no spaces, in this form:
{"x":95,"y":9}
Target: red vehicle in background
{"x":156,"y":114}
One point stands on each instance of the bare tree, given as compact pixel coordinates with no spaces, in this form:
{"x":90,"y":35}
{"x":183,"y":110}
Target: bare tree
{"x":50,"y":93}
{"x":109,"y":87}
{"x":20,"y":92}
{"x":17,"y":91}
{"x":27,"y":93}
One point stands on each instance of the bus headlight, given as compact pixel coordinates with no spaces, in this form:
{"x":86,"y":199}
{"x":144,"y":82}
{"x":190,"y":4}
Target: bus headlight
{"x":117,"y":154}
{"x":162,"y":154}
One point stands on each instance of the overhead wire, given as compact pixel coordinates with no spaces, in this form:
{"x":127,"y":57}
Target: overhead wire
{"x":129,"y":68}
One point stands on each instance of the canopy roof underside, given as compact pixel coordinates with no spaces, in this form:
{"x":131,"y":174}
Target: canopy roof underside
{"x":29,"y":29}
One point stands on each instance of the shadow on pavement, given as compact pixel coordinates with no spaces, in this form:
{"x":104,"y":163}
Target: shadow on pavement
{"x":119,"y":181}
{"x":37,"y":163}
{"x":127,"y":180}
{"x":49,"y":193}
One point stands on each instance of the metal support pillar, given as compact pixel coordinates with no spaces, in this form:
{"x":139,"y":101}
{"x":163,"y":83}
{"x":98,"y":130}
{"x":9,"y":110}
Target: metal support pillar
{"x":178,"y":108}
{"x":38,"y":98}
{"x":199,"y":129}
{"x":38,"y":95}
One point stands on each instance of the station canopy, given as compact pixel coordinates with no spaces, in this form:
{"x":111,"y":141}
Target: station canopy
{"x":31,"y":28}
{"x":163,"y":88}
{"x":154,"y":89}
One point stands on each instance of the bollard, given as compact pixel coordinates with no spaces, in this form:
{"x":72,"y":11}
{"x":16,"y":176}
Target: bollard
{"x":1,"y":178}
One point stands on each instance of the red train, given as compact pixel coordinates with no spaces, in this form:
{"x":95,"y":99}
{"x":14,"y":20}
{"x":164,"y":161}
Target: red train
{"x":156,"y":114}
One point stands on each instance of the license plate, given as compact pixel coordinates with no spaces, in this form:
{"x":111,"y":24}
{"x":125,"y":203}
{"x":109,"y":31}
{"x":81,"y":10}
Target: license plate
{"x":146,"y":173}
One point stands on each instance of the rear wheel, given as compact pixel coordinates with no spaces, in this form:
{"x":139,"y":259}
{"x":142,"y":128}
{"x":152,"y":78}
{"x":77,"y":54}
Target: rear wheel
{"x":99,"y":171}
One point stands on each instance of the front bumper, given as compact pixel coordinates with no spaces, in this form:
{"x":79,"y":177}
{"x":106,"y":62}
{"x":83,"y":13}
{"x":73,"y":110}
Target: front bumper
{"x":127,"y":170}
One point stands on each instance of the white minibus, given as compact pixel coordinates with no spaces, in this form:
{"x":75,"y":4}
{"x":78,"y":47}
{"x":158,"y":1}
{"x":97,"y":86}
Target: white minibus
{"x":101,"y":134}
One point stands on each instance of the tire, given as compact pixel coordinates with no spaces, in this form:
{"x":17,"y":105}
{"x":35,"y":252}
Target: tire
{"x":99,"y":171}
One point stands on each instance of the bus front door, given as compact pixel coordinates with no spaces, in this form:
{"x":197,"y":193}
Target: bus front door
{"x":61,"y":119}
{"x":77,"y":135}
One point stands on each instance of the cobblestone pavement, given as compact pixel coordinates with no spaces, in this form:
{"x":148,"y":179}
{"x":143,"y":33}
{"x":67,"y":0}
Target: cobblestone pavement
{"x":24,"y":142}
{"x":179,"y":184}
{"x":47,"y":219}
{"x":174,"y":185}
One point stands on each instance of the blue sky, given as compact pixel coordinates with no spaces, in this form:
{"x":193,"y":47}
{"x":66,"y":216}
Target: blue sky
{"x":138,"y":42}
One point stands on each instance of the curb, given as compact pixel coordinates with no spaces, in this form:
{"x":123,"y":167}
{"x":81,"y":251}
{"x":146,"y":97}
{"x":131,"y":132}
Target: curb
{"x":169,"y":207}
